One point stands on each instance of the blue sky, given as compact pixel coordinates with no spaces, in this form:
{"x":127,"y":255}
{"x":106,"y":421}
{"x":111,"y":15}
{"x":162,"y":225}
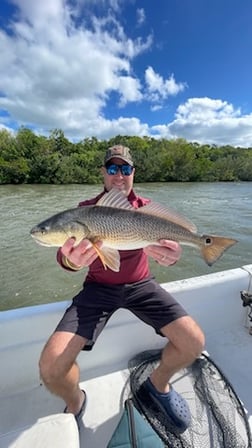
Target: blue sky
{"x":164,"y":68}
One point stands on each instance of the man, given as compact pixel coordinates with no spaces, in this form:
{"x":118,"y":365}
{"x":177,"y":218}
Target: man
{"x":104,"y":292}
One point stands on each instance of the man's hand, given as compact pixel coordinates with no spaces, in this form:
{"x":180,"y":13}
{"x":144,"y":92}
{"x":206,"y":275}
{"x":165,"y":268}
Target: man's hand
{"x":168,"y":253}
{"x":81,"y":255}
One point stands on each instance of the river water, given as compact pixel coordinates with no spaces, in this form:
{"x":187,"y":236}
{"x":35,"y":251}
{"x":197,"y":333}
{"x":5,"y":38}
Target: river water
{"x":30,"y":275}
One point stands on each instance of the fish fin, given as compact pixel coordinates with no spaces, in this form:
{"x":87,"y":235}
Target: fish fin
{"x":110,"y":258}
{"x":116,"y":199}
{"x":168,"y":213}
{"x":214,"y":246}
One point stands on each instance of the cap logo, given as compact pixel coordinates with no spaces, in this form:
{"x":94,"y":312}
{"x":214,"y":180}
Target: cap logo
{"x":119,"y":151}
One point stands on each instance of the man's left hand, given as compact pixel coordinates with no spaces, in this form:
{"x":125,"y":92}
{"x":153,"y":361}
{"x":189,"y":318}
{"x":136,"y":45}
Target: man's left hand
{"x":168,"y":253}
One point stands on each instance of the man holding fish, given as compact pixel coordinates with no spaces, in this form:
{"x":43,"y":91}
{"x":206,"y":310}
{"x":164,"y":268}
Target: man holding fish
{"x":119,"y":276}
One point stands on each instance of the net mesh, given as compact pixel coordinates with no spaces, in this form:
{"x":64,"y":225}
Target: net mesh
{"x":218,"y":417}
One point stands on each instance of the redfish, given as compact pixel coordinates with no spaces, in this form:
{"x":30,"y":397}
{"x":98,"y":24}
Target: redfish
{"x":115,"y":222}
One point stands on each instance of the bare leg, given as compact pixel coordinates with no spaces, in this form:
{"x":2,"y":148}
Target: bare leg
{"x":59,"y":370}
{"x":186,"y":342}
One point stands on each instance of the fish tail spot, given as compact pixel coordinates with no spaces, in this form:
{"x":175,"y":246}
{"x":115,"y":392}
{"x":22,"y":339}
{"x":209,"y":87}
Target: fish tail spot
{"x":208,"y":240}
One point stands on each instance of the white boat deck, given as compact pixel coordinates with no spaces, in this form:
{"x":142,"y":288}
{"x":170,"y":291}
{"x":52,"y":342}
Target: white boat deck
{"x":104,"y":374}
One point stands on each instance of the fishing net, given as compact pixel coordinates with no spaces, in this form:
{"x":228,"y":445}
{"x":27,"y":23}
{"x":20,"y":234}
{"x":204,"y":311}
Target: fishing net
{"x":218,"y":417}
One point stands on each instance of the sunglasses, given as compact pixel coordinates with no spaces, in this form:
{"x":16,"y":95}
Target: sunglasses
{"x":126,"y":170}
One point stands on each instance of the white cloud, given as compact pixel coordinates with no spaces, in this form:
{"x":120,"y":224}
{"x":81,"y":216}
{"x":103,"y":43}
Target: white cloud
{"x":55,"y":73}
{"x":205,"y":109}
{"x":120,"y":126}
{"x":130,"y":89}
{"x":114,"y":4}
{"x":6,"y":128}
{"x":207,"y":120}
{"x":160,"y":88}
{"x":62,"y":69}
{"x":140,"y":16}
{"x":156,"y":107}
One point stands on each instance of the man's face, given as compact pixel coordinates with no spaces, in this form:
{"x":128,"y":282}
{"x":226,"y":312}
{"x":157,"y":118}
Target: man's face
{"x":118,"y":180}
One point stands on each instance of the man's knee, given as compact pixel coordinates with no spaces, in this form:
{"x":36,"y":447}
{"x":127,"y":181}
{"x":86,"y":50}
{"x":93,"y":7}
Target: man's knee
{"x":50,"y":366}
{"x":198,"y":342}
{"x":186,"y":335}
{"x":47,"y":368}
{"x":59,"y":355}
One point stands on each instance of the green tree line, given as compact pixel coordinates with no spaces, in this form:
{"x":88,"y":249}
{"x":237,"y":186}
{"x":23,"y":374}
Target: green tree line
{"x":29,"y":158}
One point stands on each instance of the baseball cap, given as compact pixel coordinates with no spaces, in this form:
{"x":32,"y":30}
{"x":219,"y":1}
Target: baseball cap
{"x":119,"y":151}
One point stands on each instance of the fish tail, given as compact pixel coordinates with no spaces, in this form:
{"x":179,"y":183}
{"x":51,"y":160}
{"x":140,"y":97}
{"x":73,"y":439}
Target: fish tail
{"x":214,"y":246}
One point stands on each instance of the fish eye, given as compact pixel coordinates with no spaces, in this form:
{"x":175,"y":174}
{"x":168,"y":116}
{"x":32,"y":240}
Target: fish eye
{"x":208,"y":240}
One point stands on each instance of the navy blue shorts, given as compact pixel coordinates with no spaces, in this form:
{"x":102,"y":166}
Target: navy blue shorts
{"x":95,"y":304}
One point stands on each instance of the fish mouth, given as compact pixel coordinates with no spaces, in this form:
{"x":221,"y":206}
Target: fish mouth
{"x":38,"y":240}
{"x":46,"y":238}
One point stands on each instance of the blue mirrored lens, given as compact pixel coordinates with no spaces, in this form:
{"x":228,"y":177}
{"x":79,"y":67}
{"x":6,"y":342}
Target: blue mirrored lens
{"x":126,"y":170}
{"x":113,"y":169}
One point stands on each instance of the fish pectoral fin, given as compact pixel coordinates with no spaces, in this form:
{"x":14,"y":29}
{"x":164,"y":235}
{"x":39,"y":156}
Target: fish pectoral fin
{"x":169,"y":214}
{"x":110,"y":258}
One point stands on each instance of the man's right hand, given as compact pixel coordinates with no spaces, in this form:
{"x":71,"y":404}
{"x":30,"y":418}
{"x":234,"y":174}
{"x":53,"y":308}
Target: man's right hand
{"x":81,"y":255}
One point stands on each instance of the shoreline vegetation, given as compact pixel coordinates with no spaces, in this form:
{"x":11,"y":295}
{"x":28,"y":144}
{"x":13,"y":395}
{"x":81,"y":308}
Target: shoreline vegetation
{"x":28,"y":158}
